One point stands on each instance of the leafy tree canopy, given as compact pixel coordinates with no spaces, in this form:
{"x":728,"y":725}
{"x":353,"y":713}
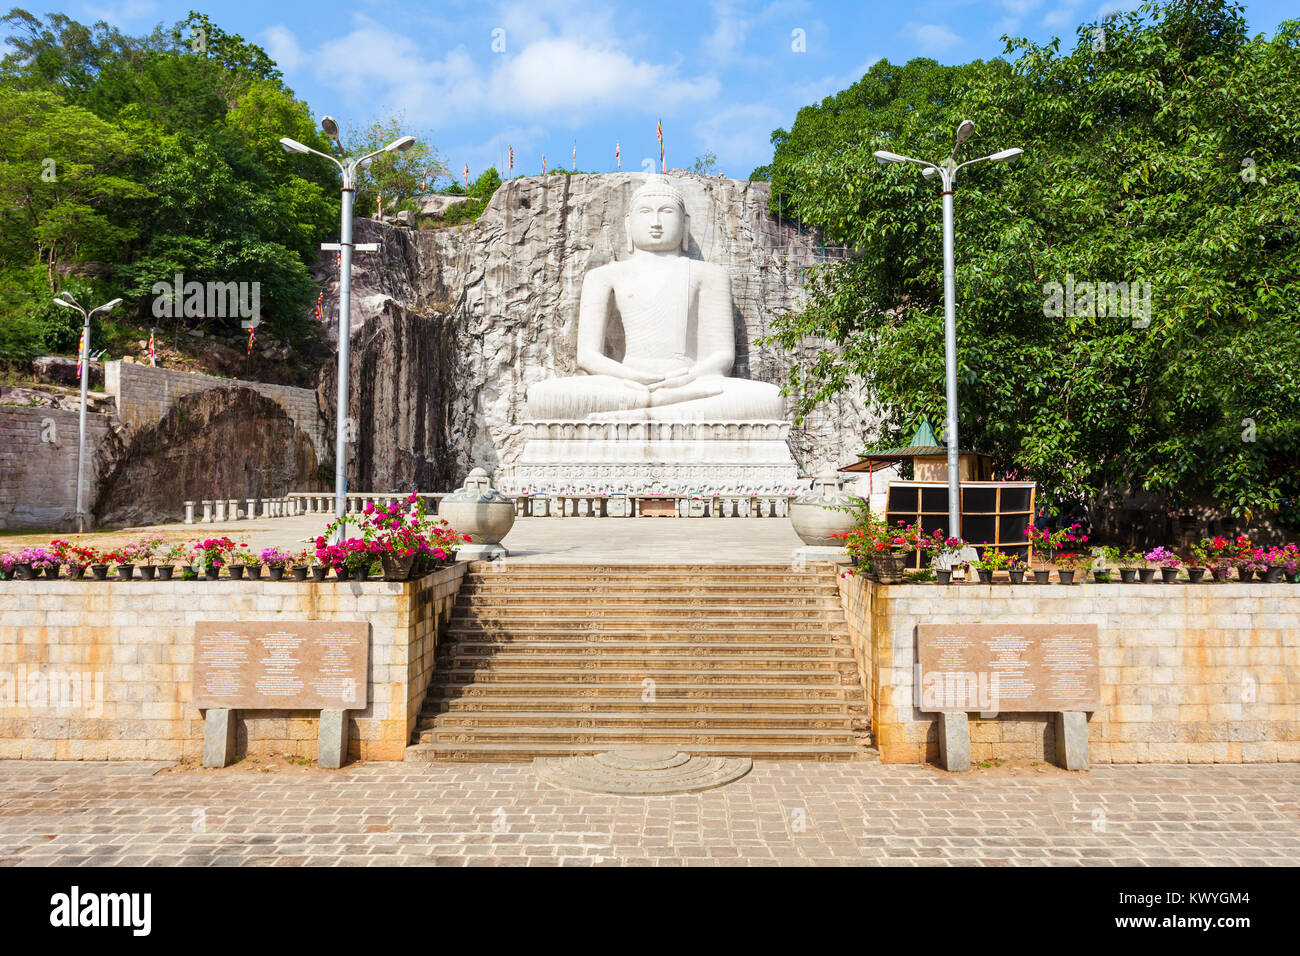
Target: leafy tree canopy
{"x":1161,"y":154}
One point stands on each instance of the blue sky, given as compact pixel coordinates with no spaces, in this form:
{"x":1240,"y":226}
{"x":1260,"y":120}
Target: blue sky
{"x":476,"y":77}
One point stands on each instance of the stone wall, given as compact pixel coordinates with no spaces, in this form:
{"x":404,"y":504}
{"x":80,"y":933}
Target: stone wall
{"x":1189,"y":673}
{"x":129,"y":648}
{"x":38,"y":465}
{"x":145,"y":394}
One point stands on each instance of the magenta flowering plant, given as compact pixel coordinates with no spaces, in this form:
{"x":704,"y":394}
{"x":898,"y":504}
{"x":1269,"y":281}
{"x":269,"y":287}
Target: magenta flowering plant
{"x":212,"y":552}
{"x":275,"y":558}
{"x":1162,"y":558}
{"x":38,"y":558}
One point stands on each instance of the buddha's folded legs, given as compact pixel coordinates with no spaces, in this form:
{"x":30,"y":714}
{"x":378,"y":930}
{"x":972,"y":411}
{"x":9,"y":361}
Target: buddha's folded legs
{"x":583,"y":396}
{"x":739,"y":399}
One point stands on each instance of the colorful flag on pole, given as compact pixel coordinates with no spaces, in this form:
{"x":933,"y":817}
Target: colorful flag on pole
{"x":618,"y":155}
{"x":381,"y":205}
{"x":543,"y":164}
{"x":663,"y":162}
{"x":81,"y":351}
{"x":512,"y":160}
{"x":252,"y":331}
{"x":424,"y":186}
{"x":575,"y":155}
{"x":467,"y":175}
{"x":153,"y":354}
{"x":320,"y":306}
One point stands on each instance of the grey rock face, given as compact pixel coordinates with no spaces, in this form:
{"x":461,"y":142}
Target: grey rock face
{"x":508,"y":286}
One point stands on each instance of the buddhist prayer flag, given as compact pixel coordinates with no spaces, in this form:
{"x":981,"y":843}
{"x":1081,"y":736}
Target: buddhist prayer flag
{"x":543,"y":164}
{"x":467,"y":175}
{"x":252,"y":331}
{"x":381,"y":208}
{"x":424,"y":186}
{"x":512,"y":159}
{"x":81,"y":352}
{"x":320,"y":306}
{"x":663,"y":163}
{"x":153,"y":355}
{"x":575,"y":156}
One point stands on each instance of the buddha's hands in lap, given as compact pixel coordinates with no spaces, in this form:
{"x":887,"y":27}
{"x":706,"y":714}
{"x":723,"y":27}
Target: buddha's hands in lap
{"x":674,"y":379}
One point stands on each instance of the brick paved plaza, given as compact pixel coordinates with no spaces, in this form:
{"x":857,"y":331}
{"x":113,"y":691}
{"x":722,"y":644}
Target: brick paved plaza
{"x":271,"y":812}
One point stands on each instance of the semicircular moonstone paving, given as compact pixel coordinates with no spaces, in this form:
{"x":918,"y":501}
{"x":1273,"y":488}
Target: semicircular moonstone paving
{"x":642,"y":771}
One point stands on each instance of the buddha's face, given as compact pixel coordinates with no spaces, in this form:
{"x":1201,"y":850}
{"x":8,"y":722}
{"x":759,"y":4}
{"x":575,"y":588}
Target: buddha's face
{"x":656,"y":223}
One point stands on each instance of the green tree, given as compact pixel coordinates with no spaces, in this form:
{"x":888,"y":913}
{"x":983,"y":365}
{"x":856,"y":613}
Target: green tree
{"x":1161,"y":149}
{"x":397,"y":177}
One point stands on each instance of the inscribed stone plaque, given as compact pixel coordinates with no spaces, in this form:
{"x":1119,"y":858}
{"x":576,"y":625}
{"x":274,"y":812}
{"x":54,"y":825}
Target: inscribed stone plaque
{"x":281,"y":665}
{"x":1007,"y":667}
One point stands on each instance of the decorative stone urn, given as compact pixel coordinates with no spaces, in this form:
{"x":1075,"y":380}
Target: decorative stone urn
{"x":818,"y":515}
{"x":480,"y":511}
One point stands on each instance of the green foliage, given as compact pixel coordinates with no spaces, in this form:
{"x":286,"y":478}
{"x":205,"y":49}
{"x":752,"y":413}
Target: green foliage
{"x":706,"y":165}
{"x":165,"y":159}
{"x":480,"y":192}
{"x":397,"y":177}
{"x":1134,"y":171}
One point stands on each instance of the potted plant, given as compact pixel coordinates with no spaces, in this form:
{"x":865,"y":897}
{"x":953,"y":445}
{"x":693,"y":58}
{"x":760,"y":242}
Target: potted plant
{"x":209,"y":556}
{"x":1200,"y":561}
{"x":146,"y":553}
{"x":1291,"y":563}
{"x":945,"y":552}
{"x":1217,"y":555}
{"x":1067,"y":563}
{"x":249,"y":562}
{"x":32,"y":563}
{"x":1274,"y":561}
{"x":98,"y":562}
{"x":7,"y":563}
{"x":301,"y":564}
{"x":168,"y":558}
{"x":1166,"y":561}
{"x":990,"y":561}
{"x":1241,"y":554}
{"x":275,"y":561}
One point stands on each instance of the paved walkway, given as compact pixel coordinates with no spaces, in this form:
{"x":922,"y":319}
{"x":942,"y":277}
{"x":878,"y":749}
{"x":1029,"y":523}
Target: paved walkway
{"x":274,"y":812}
{"x":534,"y":540}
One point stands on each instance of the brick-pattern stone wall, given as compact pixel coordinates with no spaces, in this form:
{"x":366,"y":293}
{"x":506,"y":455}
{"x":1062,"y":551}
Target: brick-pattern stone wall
{"x":144,"y":394}
{"x":134,"y":641}
{"x":38,"y":465}
{"x":1205,"y":673}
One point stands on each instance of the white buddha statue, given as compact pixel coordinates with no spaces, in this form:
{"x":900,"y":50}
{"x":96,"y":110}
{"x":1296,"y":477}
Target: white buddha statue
{"x":678,"y":330}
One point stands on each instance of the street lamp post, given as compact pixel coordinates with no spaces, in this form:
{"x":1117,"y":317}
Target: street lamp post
{"x":947,"y":174}
{"x":348,"y":168}
{"x":68,"y":302}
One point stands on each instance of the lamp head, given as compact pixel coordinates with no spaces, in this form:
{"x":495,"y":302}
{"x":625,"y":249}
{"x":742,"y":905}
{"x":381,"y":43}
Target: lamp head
{"x":292,"y":145}
{"x":400,"y":145}
{"x":1006,"y":155}
{"x":884,"y":157}
{"x":929,"y":172}
{"x":109,"y":306}
{"x":965,"y":131}
{"x":330,"y":127}
{"x":68,"y":303}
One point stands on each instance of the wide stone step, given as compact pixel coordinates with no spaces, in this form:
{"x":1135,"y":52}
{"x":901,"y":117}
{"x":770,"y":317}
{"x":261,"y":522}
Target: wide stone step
{"x":621,"y":636}
{"x":478,"y":752}
{"x":615,"y":737}
{"x":645,"y":600}
{"x":662,"y":611}
{"x":637,"y":587}
{"x":633,"y":690}
{"x":643,"y":720}
{"x":649,"y":626}
{"x":510,"y":650}
{"x":655,"y":579}
{"x":632,"y":703}
{"x":520,"y":674}
{"x":663,"y":663}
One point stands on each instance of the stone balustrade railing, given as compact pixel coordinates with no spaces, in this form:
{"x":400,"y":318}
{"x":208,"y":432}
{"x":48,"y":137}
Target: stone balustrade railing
{"x":292,"y":505}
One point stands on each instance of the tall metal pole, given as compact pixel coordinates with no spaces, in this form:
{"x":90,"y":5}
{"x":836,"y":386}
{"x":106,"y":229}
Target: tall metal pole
{"x":81,"y":429}
{"x":950,"y":357}
{"x":345,"y":349}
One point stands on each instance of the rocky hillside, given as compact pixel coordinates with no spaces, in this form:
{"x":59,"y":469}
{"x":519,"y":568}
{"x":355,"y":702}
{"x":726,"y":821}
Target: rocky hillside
{"x":497,"y":301}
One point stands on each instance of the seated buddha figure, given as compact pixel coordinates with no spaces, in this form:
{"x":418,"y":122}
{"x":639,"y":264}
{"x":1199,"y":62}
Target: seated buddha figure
{"x":678,"y":331}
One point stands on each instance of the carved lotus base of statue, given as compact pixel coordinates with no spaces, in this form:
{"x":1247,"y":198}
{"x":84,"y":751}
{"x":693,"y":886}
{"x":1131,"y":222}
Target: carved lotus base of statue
{"x":593,"y":457}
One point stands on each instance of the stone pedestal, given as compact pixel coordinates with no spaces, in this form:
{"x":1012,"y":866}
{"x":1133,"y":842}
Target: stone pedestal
{"x":643,"y":458}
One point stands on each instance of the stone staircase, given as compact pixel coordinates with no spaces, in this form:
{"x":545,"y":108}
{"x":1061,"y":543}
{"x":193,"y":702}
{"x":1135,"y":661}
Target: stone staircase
{"x":542,"y":660}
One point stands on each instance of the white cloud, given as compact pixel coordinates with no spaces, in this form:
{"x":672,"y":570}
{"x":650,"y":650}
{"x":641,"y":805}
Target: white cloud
{"x":931,"y":37}
{"x":740,"y":135}
{"x":814,"y":91}
{"x":282,"y":46}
